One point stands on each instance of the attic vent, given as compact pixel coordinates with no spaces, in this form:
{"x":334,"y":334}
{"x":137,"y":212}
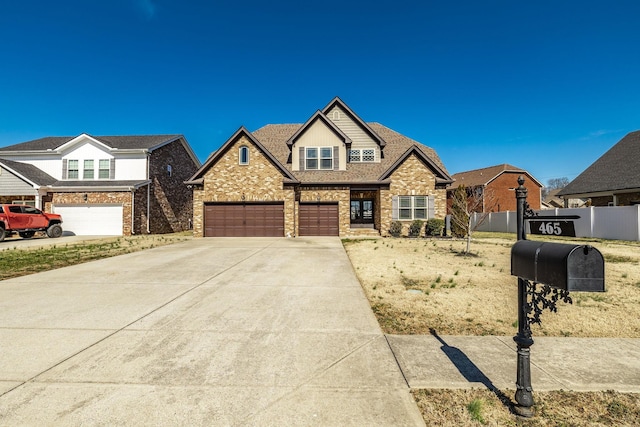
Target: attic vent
{"x":336,"y":115}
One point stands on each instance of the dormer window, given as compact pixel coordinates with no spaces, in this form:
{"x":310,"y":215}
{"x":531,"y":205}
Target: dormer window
{"x":319,"y":158}
{"x":243,"y":155}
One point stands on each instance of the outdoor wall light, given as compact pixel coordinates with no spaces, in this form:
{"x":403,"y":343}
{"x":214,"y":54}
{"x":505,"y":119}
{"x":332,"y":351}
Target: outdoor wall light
{"x":85,"y":197}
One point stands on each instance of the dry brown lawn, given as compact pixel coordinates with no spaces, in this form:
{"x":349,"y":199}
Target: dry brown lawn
{"x":415,"y":285}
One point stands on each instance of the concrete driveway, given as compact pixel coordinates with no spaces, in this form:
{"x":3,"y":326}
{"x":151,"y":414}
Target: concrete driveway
{"x":253,"y":331}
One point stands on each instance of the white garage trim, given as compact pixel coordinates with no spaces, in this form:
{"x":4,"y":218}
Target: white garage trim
{"x":91,"y":219}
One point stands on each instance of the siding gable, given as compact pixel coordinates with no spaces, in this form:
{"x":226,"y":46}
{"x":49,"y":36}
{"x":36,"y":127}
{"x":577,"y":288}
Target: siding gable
{"x":318,"y":134}
{"x":360,"y":139}
{"x":11,"y":185}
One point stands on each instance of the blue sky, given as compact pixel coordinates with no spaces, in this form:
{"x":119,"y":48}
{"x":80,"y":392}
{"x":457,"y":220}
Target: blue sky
{"x":547,"y":86}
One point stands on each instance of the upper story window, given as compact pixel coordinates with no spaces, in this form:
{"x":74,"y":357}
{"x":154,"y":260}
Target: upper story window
{"x":362,"y":155}
{"x":319,"y":158}
{"x":243,"y":155}
{"x":103,"y":168}
{"x":88,"y":172}
{"x":72,"y":169}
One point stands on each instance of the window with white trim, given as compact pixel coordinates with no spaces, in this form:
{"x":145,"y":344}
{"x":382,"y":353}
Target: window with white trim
{"x":408,"y":208}
{"x":319,"y":158}
{"x":243,"y":155}
{"x":72,"y":169}
{"x":362,"y":155}
{"x":103,"y":168}
{"x":87,"y":170}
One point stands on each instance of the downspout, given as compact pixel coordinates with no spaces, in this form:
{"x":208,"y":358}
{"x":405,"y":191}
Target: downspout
{"x":148,"y":193}
{"x":133,"y":209}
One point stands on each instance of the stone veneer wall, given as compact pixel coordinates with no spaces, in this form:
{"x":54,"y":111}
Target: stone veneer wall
{"x":228,"y":181}
{"x":411,"y":178}
{"x":342,"y":195}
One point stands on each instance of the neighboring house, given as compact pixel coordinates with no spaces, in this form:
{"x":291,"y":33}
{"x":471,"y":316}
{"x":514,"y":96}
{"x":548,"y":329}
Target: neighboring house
{"x":494,"y":188}
{"x":333,"y":175}
{"x":104,"y":185}
{"x":553,"y":201}
{"x":613,"y":179}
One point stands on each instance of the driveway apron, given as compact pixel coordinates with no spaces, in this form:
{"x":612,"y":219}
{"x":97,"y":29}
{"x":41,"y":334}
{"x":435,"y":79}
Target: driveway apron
{"x":215,"y":331}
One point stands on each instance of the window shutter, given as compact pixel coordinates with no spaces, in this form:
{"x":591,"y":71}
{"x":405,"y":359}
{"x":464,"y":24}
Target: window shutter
{"x":336,"y":158}
{"x":65,"y":168}
{"x":394,"y":208}
{"x":301,"y":153}
{"x":431,"y":207}
{"x":112,"y":169}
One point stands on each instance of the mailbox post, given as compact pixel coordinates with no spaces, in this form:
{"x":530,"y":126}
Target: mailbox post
{"x":524,"y":391}
{"x":559,"y":268}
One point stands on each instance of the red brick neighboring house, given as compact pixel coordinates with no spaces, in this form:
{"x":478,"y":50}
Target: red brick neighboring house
{"x":495,"y":185}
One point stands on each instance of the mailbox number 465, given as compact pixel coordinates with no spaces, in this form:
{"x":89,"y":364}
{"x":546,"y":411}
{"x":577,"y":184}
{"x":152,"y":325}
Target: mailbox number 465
{"x":550,"y":228}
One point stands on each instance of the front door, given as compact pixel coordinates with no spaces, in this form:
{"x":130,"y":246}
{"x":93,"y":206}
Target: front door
{"x":362,"y":211}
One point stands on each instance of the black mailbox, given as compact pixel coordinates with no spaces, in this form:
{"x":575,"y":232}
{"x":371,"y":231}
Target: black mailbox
{"x":560,"y":265}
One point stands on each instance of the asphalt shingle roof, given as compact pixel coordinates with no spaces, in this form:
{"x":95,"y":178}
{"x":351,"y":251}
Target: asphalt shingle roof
{"x":119,"y":142}
{"x":274,"y":137}
{"x":30,"y":172}
{"x":482,"y":176}
{"x":617,"y":169}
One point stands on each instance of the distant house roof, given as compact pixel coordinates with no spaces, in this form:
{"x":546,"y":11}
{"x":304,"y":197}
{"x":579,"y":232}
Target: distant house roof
{"x":29,"y":172}
{"x":615,"y":170}
{"x":481,"y":177}
{"x":128,"y":142}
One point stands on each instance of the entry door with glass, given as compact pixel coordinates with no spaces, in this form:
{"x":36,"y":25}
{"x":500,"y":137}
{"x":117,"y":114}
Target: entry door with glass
{"x":362,"y":211}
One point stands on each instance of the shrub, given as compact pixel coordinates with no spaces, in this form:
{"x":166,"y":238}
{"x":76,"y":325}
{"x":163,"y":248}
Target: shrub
{"x":415,"y":227}
{"x":395,"y":229}
{"x":434,"y":227}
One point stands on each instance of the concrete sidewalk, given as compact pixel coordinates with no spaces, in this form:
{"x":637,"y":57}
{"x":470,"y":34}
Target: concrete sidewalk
{"x":237,"y":332}
{"x":578,"y":364}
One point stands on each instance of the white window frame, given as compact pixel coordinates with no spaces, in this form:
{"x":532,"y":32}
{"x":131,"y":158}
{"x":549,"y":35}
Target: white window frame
{"x":409,"y":208}
{"x":244,"y":149}
{"x":357,"y":155}
{"x":102,"y":170}
{"x":88,"y":169}
{"x":315,"y":162}
{"x":76,"y":170}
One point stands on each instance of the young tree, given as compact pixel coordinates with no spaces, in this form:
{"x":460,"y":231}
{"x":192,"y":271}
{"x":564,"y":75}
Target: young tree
{"x":466,"y":202}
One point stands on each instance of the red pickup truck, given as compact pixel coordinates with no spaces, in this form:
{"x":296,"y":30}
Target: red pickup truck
{"x":26,"y":221}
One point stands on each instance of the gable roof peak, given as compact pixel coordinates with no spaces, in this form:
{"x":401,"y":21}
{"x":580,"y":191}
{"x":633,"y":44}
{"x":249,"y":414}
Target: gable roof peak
{"x":319,"y":115}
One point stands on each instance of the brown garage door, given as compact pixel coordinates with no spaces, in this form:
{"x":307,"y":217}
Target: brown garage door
{"x":244,"y":220}
{"x":318,"y":219}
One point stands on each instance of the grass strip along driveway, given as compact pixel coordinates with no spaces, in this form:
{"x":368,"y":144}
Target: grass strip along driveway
{"x":18,"y":261}
{"x":416,"y":286}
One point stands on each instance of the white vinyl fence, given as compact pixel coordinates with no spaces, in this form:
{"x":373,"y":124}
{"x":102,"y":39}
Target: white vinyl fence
{"x":613,"y":222}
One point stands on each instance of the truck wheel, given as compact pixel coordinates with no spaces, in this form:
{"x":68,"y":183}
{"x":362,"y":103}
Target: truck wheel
{"x":2,"y":233}
{"x":26,"y":234}
{"x":54,"y":231}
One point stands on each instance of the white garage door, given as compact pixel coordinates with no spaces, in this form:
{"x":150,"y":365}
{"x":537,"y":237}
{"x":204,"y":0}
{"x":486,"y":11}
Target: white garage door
{"x":91,"y":220}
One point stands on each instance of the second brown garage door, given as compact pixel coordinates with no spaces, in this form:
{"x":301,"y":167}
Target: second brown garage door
{"x":318,"y":219}
{"x":244,"y":220}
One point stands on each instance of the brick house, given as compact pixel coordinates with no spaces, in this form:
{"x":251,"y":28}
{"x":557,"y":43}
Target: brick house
{"x":105,"y":185}
{"x":613,"y":179}
{"x":332,"y":175}
{"x":494,"y":185}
